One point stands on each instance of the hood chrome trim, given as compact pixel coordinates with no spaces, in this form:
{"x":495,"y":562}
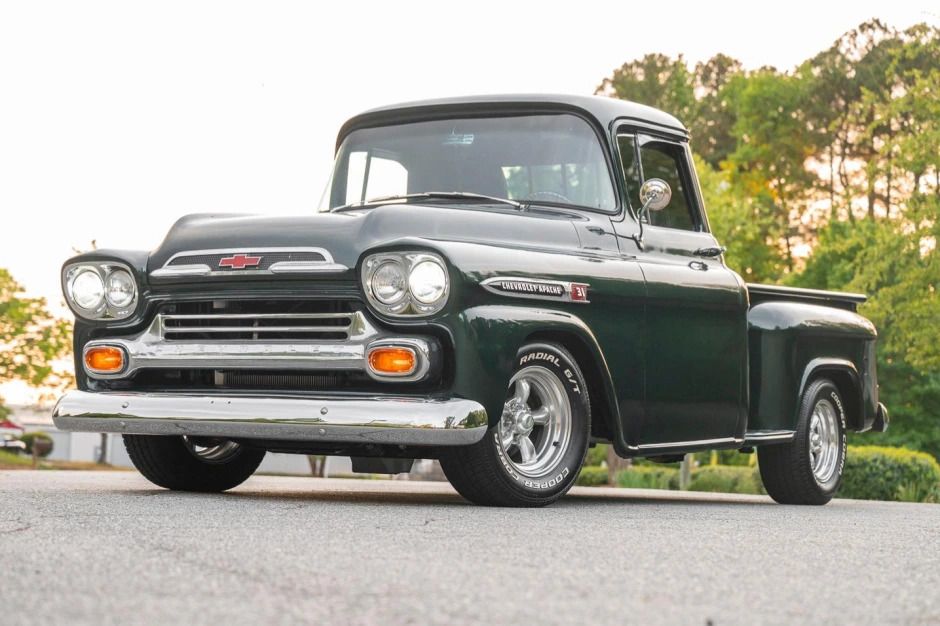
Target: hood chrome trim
{"x":327,"y":266}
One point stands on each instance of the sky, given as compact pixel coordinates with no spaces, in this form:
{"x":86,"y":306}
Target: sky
{"x":118,"y":118}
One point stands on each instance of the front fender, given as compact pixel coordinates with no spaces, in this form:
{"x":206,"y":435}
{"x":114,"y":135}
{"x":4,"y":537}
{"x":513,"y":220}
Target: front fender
{"x":487,"y":338}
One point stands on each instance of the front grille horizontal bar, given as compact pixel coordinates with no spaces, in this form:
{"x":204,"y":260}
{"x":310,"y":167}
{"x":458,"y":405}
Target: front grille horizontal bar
{"x":255,"y":326}
{"x":245,"y":316}
{"x":178,"y":330}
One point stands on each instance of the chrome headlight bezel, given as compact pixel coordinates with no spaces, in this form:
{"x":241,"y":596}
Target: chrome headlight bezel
{"x":408,"y":305}
{"x":104,"y":309}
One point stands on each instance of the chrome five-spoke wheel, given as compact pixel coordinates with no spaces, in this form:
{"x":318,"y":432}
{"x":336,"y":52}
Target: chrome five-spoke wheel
{"x":536,"y":423}
{"x":824,"y":440}
{"x":534,"y":448}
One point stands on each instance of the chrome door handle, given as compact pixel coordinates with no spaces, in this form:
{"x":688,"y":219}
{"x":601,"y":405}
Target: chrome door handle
{"x":710,"y":252}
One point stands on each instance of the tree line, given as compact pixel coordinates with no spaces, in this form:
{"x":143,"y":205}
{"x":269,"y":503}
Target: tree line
{"x":828,"y":176}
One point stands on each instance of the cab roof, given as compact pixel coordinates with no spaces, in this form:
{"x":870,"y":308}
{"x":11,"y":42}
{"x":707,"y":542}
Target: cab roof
{"x":602,"y":109}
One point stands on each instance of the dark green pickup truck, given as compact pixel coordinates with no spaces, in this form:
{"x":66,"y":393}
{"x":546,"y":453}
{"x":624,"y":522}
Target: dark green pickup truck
{"x":495,"y":282}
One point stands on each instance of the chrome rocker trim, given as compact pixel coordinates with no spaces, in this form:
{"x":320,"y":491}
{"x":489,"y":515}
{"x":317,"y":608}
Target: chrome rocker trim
{"x":769,"y":436}
{"x":378,"y":420}
{"x":151,"y":350}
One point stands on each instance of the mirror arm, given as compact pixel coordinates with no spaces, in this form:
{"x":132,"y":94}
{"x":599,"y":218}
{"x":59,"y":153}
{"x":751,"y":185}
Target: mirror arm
{"x":638,"y":237}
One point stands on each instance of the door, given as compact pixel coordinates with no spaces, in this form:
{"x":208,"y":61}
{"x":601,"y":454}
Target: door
{"x":696,"y":308}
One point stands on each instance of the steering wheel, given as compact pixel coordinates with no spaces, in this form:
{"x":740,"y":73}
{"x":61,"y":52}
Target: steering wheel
{"x":549,"y":196}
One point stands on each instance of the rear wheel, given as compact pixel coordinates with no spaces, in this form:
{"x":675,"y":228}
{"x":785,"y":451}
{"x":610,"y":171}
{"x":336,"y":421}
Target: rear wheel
{"x":532,"y":455}
{"x":808,"y":469}
{"x":192,"y":463}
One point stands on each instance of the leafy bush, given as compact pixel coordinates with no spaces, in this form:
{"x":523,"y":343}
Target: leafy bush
{"x":727,"y":479}
{"x":596,"y":455}
{"x":649,"y":477}
{"x":882,"y":473}
{"x":30,"y":438}
{"x":592,"y":476}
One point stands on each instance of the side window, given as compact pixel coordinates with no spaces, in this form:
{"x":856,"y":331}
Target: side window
{"x":631,"y":169}
{"x":659,"y":159}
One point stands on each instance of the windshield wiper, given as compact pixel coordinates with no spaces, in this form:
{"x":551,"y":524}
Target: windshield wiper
{"x":435,"y":195}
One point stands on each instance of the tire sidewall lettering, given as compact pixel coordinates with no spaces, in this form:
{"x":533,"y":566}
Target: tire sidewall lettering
{"x":838,"y":402}
{"x":563,"y":371}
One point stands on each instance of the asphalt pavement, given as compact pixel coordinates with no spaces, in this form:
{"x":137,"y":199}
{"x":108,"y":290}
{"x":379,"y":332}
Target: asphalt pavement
{"x":109,"y":548}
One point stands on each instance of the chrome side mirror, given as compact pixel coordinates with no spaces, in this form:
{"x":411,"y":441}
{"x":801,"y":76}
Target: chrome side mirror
{"x":655,"y":195}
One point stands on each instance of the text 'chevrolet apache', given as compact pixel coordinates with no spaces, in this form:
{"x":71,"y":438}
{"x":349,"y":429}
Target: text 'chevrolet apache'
{"x":495,"y":282}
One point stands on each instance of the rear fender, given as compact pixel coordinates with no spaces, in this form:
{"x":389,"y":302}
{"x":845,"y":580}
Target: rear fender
{"x":791,"y":344}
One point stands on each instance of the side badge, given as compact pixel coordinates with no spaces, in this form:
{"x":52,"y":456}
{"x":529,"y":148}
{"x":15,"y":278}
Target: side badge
{"x":579,"y":292}
{"x":537,"y":289}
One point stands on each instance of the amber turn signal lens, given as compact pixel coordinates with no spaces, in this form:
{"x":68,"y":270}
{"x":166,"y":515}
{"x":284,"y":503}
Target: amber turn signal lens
{"x":104,"y":359}
{"x":392,"y":361}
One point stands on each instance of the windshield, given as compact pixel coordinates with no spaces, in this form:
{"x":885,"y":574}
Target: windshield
{"x":550,"y":159}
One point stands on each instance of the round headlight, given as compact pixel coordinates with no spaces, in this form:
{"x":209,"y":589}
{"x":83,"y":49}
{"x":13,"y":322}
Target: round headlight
{"x":427,"y":282}
{"x":87,"y":289}
{"x":121,"y":289}
{"x":388,"y":282}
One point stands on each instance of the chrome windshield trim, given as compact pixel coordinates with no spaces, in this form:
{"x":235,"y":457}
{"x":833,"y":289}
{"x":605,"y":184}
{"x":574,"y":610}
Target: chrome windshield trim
{"x":376,"y":420}
{"x":326,"y":266}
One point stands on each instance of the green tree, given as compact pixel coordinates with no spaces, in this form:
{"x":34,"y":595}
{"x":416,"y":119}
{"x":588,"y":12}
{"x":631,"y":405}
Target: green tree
{"x":655,"y":80}
{"x":769,"y":163}
{"x":31,"y":339}
{"x":741,"y":225}
{"x":714,"y":117}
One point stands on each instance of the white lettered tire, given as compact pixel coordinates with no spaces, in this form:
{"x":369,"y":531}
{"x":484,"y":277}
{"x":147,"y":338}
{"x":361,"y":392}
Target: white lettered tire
{"x":532,"y":455}
{"x":808,"y":469}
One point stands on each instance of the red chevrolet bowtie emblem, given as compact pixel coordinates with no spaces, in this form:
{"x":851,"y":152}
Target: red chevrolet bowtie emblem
{"x":239,"y":261}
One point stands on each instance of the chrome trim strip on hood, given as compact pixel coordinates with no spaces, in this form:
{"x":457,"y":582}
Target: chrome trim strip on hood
{"x":327,"y":266}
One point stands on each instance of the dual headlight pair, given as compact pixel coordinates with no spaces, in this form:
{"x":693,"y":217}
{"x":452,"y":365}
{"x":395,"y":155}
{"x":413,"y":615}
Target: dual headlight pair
{"x":406,"y":283}
{"x":104,"y":290}
{"x":396,"y":283}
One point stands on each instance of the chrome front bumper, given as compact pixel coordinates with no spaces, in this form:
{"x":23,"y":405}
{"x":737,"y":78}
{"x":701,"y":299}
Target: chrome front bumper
{"x":378,"y":420}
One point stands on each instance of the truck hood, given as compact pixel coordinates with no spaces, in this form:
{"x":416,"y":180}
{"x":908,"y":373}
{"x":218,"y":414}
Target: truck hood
{"x":348,"y":234}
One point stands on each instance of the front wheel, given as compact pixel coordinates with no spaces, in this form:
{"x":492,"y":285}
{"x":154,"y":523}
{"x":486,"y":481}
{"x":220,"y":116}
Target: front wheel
{"x":808,"y":469}
{"x":192,"y":463}
{"x":532,"y":455}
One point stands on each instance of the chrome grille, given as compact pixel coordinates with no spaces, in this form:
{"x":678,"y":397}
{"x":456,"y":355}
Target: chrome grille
{"x":262,"y":320}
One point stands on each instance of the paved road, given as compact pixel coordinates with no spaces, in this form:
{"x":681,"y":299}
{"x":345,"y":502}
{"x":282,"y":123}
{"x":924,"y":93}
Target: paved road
{"x":106,"y":547}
